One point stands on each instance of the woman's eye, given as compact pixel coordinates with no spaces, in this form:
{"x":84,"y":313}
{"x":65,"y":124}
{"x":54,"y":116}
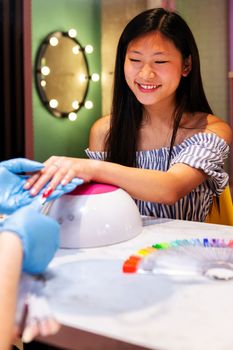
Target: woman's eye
{"x":161,"y":62}
{"x":134,"y":60}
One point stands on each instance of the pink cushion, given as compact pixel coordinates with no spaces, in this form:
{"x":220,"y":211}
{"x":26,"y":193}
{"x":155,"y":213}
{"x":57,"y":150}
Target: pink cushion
{"x":92,"y":188}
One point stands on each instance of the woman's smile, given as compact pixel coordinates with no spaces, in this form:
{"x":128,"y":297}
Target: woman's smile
{"x":148,"y":88}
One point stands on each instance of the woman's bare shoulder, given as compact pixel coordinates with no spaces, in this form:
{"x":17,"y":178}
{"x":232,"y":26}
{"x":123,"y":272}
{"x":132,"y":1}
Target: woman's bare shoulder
{"x":219,"y":127}
{"x":98,"y":133}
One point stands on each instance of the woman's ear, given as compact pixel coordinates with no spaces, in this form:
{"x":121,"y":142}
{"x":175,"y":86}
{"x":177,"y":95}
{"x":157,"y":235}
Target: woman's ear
{"x":187,"y":66}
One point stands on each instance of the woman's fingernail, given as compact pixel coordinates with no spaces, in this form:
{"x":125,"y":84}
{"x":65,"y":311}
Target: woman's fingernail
{"x":64,"y":182}
{"x":27,"y":335}
{"x":47,"y":192}
{"x":26,"y":186}
{"x":33,"y":191}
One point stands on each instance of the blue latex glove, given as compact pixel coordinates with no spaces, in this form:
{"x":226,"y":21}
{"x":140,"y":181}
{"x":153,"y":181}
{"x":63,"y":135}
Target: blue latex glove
{"x":60,"y":189}
{"x":38,"y":233}
{"x":20,"y":165}
{"x":12,"y":194}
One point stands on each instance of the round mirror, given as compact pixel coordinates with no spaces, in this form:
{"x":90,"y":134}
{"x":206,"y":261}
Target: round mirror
{"x":62,"y":74}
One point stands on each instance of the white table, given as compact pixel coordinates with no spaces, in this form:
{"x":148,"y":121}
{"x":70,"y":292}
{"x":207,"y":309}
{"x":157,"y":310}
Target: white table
{"x":100,"y":307}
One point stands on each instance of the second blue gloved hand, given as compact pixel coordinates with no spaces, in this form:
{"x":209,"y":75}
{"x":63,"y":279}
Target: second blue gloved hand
{"x":21,"y":165}
{"x":39,"y":235}
{"x":12,"y":194}
{"x":60,"y":189}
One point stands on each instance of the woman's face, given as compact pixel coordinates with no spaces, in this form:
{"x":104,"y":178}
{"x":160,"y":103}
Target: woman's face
{"x":153,"y":68}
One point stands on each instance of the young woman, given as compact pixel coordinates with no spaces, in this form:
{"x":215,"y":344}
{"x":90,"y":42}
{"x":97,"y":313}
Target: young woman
{"x":161,"y":143}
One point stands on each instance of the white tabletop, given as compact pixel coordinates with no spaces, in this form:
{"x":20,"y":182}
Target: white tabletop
{"x":89,"y":292}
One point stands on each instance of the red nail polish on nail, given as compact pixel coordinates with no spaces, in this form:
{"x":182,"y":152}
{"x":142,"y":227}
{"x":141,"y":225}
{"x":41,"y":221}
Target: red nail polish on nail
{"x":47,"y":192}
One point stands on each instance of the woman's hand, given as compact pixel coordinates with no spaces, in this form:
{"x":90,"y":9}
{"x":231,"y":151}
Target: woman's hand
{"x":60,"y":170}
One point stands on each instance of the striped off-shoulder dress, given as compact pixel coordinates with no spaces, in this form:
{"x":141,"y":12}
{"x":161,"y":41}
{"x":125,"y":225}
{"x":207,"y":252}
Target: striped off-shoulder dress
{"x":205,"y":151}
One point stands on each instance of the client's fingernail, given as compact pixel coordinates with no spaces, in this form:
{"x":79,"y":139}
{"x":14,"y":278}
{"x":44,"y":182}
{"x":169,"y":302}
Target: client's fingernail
{"x":26,"y":186}
{"x":64,"y":182}
{"x":47,"y":192}
{"x":27,"y":335}
{"x":33,"y":191}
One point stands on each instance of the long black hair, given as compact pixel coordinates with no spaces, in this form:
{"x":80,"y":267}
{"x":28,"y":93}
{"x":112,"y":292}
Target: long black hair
{"x":127,"y":111}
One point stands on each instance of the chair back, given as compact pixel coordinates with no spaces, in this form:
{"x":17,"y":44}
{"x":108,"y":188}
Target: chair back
{"x":18,"y":345}
{"x":222,"y":209}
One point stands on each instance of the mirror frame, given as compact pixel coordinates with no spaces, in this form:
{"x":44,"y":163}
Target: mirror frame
{"x":39,"y":76}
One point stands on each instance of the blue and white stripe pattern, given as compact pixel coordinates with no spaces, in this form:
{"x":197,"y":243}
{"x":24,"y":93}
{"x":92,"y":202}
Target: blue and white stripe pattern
{"x":205,"y":151}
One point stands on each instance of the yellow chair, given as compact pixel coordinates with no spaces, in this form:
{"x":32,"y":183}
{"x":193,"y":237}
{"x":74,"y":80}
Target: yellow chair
{"x":18,"y":344}
{"x":222,"y":209}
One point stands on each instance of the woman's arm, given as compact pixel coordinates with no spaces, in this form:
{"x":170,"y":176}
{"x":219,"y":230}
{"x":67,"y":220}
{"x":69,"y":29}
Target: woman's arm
{"x":11,"y":255}
{"x":149,"y":185}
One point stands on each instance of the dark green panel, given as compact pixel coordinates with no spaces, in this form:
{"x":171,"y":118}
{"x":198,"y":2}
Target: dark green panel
{"x":54,"y":136}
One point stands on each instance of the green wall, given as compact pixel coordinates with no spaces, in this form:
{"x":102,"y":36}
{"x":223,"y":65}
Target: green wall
{"x":54,"y":136}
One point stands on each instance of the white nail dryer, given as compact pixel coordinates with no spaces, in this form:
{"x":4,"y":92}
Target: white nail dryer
{"x":95,"y":215}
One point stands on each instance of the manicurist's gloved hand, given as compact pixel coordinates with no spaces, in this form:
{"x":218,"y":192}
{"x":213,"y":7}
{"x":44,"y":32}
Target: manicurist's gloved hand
{"x":60,"y":189}
{"x":21,"y":165}
{"x":12,"y":193}
{"x":38,"y":233}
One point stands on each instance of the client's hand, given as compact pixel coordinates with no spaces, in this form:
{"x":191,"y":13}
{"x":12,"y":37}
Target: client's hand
{"x":39,"y":235}
{"x":61,"y":171}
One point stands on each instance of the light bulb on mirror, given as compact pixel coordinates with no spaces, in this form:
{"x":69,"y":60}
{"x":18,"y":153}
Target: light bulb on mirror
{"x":43,"y":83}
{"x":75,"y":104}
{"x":72,"y":33}
{"x":76,"y":50}
{"x":88,"y":104}
{"x":53,"y":103}
{"x":89,"y":49}
{"x":53,"y":41}
{"x":45,"y":70}
{"x":82,"y":78}
{"x":72,"y":116}
{"x":95,"y":77}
